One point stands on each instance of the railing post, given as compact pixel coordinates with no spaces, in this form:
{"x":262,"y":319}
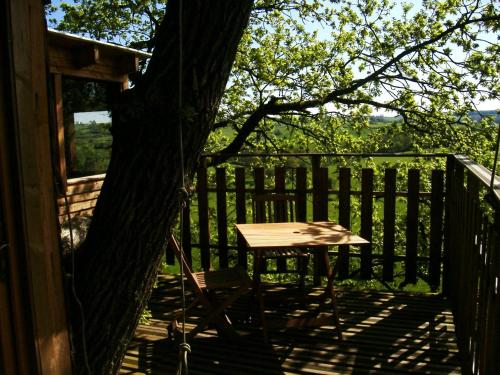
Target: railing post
{"x":450,"y":170}
{"x":389,"y":223}
{"x":220,"y":175}
{"x":201,"y":188}
{"x":436,"y":229}
{"x":241,"y":214}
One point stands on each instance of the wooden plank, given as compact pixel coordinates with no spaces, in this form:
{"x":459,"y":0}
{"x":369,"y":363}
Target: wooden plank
{"x":389,"y":224}
{"x":436,"y":228}
{"x":85,"y":184}
{"x":280,"y":209}
{"x":78,"y":206}
{"x":201,"y":189}
{"x":320,"y":212}
{"x":79,"y":197}
{"x":412,"y":226}
{"x":241,"y":214}
{"x":301,"y":194}
{"x":220,"y":176}
{"x":366,"y":222}
{"x":344,"y":218}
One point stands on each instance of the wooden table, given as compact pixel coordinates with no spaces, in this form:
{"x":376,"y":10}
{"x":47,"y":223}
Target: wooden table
{"x":307,"y":235}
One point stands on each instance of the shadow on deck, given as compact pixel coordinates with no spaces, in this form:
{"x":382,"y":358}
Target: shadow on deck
{"x":384,"y":333}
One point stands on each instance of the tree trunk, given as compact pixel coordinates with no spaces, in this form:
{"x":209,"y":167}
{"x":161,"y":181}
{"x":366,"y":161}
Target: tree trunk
{"x":117,"y":264}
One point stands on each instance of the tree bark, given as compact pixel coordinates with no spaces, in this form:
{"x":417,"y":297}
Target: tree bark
{"x":116,"y":266}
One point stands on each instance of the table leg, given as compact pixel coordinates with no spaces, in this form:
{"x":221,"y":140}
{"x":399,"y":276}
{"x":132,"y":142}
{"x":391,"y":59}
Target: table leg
{"x":257,"y":266}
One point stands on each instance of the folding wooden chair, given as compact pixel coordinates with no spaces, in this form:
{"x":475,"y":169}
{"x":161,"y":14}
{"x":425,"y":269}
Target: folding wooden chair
{"x":276,"y":208}
{"x":204,"y":286}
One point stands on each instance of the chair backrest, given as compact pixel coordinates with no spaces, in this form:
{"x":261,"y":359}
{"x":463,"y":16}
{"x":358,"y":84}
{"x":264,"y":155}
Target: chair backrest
{"x":273,"y":208}
{"x":188,"y":271}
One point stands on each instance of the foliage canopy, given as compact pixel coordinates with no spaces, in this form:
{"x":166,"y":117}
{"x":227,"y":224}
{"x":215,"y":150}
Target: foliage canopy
{"x":320,"y":68}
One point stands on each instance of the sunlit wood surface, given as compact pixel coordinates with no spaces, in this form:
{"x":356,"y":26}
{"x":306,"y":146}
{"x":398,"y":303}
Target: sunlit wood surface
{"x":272,"y":235}
{"x":384,"y":333}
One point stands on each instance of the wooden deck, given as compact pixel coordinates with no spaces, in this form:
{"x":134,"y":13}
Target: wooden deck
{"x":384,"y":333}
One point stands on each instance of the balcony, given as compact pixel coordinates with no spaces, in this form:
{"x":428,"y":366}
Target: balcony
{"x":433,"y":260}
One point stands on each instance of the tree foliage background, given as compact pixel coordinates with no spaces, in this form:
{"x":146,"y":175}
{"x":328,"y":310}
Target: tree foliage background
{"x":308,"y":74}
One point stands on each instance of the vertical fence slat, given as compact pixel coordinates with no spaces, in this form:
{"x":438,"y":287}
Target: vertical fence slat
{"x":259,"y":216}
{"x":280,"y":209}
{"x":436,"y":230}
{"x":241,"y":215}
{"x":203,"y":217}
{"x":301,"y":194}
{"x":320,"y":212}
{"x":220,"y":176}
{"x":492,"y":325}
{"x":186,"y":232}
{"x":366,"y":222}
{"x":344,"y":218}
{"x":412,"y":226}
{"x":389,"y":224}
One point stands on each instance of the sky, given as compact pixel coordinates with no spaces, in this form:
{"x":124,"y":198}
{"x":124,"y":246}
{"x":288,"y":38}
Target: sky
{"x":97,"y":116}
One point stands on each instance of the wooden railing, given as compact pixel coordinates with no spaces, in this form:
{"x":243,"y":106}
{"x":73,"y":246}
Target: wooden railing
{"x":81,"y":197}
{"x":472,"y":272}
{"x":406,"y":244}
{"x":400,"y":213}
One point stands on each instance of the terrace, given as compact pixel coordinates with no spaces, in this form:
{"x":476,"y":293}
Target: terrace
{"x":423,"y":297}
{"x":433,"y":258}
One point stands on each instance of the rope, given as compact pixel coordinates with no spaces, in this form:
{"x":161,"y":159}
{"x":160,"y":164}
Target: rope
{"x":184,"y":348}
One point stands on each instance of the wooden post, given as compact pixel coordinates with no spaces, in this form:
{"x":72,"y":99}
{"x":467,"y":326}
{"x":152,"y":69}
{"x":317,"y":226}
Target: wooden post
{"x":220,"y":176}
{"x":412,"y":226}
{"x":389,"y":224}
{"x":436,"y":229}
{"x":241,"y":214}
{"x":27,"y":197}
{"x":320,"y":212}
{"x":344,"y":218}
{"x":366,"y":222}
{"x":201,"y":188}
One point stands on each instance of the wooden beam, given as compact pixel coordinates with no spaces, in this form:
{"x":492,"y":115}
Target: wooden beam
{"x":60,"y":149}
{"x":129,"y":64}
{"x":86,"y":56}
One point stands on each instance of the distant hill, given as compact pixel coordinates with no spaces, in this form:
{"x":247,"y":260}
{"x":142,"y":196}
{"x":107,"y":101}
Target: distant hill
{"x":478,"y":115}
{"x":475,"y":115}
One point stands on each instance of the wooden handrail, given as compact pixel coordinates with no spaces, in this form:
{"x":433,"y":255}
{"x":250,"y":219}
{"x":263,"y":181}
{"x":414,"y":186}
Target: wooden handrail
{"x":483,"y":174}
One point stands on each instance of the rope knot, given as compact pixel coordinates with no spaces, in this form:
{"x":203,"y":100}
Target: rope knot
{"x":184,"y":347}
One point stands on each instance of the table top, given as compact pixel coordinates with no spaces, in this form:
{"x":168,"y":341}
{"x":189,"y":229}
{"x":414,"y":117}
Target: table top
{"x":297,"y":234}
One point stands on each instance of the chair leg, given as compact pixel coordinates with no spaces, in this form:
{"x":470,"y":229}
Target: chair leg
{"x":333,"y":297}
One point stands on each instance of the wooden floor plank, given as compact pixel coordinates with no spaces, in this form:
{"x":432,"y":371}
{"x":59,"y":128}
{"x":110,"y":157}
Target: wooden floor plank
{"x":384,"y":333}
